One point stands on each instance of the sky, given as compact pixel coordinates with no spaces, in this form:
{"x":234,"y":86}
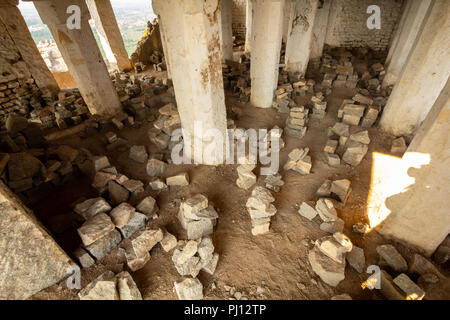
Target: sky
{"x":28,"y":7}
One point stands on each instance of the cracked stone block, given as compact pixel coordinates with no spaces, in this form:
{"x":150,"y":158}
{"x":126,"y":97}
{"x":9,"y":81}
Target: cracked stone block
{"x":95,"y":228}
{"x":307,"y":210}
{"x":181,"y":180}
{"x":392,"y":257}
{"x":137,"y":221}
{"x":104,"y":245}
{"x":121,"y":214}
{"x":92,"y":207}
{"x":147,"y":205}
{"x":330,"y":271}
{"x":83,"y":258}
{"x":189,"y":289}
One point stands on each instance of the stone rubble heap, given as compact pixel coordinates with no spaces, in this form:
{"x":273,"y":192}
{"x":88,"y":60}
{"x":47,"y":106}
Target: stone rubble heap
{"x":109,"y":286}
{"x":299,"y":161}
{"x":351,"y":147}
{"x":246,"y":178}
{"x":318,"y":106}
{"x":360,"y":110}
{"x":167,"y":122}
{"x":197,"y":217}
{"x":261,"y":209}
{"x":296,"y":122}
{"x":191,"y":257}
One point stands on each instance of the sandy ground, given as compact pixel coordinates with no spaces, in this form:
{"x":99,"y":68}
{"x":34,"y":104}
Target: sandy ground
{"x":275,"y":262}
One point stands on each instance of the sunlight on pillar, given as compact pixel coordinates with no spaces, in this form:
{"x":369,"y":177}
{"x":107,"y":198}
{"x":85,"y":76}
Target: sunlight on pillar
{"x":390,"y":177}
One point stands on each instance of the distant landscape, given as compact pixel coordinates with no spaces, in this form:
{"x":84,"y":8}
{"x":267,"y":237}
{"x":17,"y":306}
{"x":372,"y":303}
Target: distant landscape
{"x":131,"y":15}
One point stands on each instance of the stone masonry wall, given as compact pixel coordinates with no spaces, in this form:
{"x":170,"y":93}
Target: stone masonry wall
{"x":347,"y":24}
{"x":239,"y":8}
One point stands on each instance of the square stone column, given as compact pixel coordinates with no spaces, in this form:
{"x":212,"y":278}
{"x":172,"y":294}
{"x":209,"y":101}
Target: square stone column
{"x":300,"y":34}
{"x":423,"y":76}
{"x":226,"y":30}
{"x":410,"y":26}
{"x":267,"y":29}
{"x":193,"y":42}
{"x":419,"y":214}
{"x":164,"y":45}
{"x":108,"y":30}
{"x":81,"y":54}
{"x":320,"y":29}
{"x":18,"y":31}
{"x":248,"y":25}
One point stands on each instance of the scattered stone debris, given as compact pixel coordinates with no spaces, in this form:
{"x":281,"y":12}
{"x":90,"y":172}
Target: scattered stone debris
{"x":189,"y":289}
{"x":296,"y":122}
{"x":108,"y":286}
{"x":299,"y":161}
{"x":261,"y":209}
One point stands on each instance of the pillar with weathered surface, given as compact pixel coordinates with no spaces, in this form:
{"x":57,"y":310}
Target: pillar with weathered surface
{"x":226,"y":30}
{"x":164,"y":45}
{"x":410,"y":26}
{"x":320,"y":29}
{"x":192,"y":36}
{"x":301,"y":23}
{"x":286,"y":19}
{"x":419,"y":214}
{"x":18,"y":31}
{"x":248,"y":25}
{"x":423,"y":76}
{"x":267,"y":28}
{"x":110,"y":37}
{"x":81,"y":55}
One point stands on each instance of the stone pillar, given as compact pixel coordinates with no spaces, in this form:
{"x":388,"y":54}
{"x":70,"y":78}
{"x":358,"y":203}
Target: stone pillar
{"x":110,"y":37}
{"x":410,"y":25}
{"x":248,"y":25}
{"x":164,"y":45}
{"x":419,"y":215}
{"x":298,"y":47}
{"x":267,"y":28}
{"x":192,"y":36}
{"x":18,"y":31}
{"x":226,"y":30}
{"x":81,"y":55}
{"x":286,"y":19}
{"x":320,"y":29}
{"x":423,"y":76}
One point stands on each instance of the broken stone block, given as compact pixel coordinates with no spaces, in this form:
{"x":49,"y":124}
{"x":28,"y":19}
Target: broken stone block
{"x":193,"y":205}
{"x":325,"y":209}
{"x":137,"y":221}
{"x":411,"y":290}
{"x":136,"y":262}
{"x":260,"y":229}
{"x":126,"y":287}
{"x":92,"y":207}
{"x":100,"y":162}
{"x":155,"y":167}
{"x":274,"y":182}
{"x":392,"y":257}
{"x":101,"y":180}
{"x":330,"y":271}
{"x":189,"y":250}
{"x":341,"y":189}
{"x":246,"y":179}
{"x":83,"y":258}
{"x":333,"y":226}
{"x":362,"y":137}
{"x":304,"y":165}
{"x":398,"y":146}
{"x":181,"y":180}
{"x":211,"y":265}
{"x":307,"y":210}
{"x":147,"y":205}
{"x":191,"y":266}
{"x":168,"y":242}
{"x":102,"y":288}
{"x":362,"y":99}
{"x":198,"y":229}
{"x":121,"y":214}
{"x":145,"y":241}
{"x":133,"y":185}
{"x":117,"y":193}
{"x":355,"y":153}
{"x":138,"y":154}
{"x":208,"y":213}
{"x":157,"y":185}
{"x":104,"y":245}
{"x":95,"y":228}
{"x":333,"y":249}
{"x":260,"y":198}
{"x":330,"y":146}
{"x":189,"y":289}
{"x":356,"y":259}
{"x":324,"y":190}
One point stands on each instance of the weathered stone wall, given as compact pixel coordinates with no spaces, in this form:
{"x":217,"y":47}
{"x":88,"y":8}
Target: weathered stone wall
{"x":347,"y":23}
{"x":239,"y":18}
{"x":17,"y":86}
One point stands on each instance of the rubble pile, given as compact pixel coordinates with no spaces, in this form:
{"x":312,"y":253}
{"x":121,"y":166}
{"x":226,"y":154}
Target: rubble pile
{"x":197,"y":217}
{"x":274,"y":182}
{"x":167,"y":122}
{"x":296,"y":122}
{"x":109,"y":286}
{"x":361,"y":110}
{"x":299,"y":161}
{"x":318,"y":106}
{"x":246,"y":178}
{"x":372,"y":79}
{"x":261,"y":209}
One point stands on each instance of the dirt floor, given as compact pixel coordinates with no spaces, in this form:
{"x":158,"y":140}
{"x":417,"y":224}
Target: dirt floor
{"x":270,"y":266}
